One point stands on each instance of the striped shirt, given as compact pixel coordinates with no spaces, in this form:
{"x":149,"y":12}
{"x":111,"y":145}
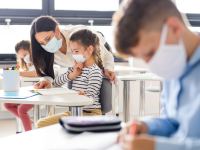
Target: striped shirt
{"x":89,"y":81}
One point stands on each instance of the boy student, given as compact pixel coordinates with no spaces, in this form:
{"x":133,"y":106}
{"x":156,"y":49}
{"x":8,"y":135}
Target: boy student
{"x":154,"y":31}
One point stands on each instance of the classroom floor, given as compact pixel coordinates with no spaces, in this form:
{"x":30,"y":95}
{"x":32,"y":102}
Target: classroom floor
{"x":8,"y":126}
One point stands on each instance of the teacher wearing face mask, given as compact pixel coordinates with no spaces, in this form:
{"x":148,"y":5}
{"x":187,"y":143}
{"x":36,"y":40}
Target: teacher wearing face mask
{"x":50,"y":44}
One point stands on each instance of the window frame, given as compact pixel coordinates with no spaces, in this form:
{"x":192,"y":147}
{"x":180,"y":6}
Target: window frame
{"x":25,"y":16}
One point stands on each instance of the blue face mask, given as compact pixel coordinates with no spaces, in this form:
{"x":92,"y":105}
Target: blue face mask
{"x":53,"y":46}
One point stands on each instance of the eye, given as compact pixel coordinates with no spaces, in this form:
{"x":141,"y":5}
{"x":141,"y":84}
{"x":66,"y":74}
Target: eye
{"x":48,"y":39}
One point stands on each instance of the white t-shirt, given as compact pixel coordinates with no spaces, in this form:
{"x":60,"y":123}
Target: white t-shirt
{"x":68,"y":61}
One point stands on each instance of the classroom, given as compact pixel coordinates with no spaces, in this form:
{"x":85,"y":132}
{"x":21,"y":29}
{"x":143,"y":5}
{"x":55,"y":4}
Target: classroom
{"x":99,"y":74}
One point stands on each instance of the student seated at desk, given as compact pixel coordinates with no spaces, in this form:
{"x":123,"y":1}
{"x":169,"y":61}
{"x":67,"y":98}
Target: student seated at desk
{"x":21,"y":110}
{"x":86,"y":74}
{"x":22,"y":50}
{"x":155,"y":32}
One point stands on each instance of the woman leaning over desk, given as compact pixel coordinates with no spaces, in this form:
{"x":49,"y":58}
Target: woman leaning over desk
{"x":49,"y":42}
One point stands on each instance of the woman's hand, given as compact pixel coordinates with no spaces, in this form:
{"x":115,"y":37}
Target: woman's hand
{"x":141,"y":129}
{"x":82,"y":93}
{"x":141,"y":142}
{"x":110,"y":75}
{"x":77,"y":70}
{"x":42,"y":85}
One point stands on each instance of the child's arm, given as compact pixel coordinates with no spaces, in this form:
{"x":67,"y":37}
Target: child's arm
{"x":164,"y":126}
{"x":69,"y":75}
{"x":28,"y":74}
{"x":62,"y":79}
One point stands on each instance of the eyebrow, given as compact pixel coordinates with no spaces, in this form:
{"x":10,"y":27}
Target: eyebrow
{"x":74,"y":49}
{"x":44,"y":39}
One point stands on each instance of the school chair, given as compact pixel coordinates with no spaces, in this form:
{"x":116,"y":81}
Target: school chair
{"x":106,"y":98}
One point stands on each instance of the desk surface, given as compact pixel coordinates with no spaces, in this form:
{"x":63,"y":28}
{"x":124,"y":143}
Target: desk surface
{"x":127,"y":68}
{"x":67,"y":100}
{"x":52,"y":137}
{"x":38,"y":139}
{"x":140,"y":77}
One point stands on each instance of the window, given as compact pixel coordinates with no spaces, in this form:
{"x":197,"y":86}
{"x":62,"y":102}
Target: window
{"x":20,"y":4}
{"x":87,"y":5}
{"x":11,"y":36}
{"x":188,"y":6}
{"x":191,"y":9}
{"x":65,"y":11}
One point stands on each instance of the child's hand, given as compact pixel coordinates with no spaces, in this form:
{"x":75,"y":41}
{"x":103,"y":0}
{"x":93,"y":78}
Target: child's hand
{"x":141,"y":142}
{"x":141,"y":129}
{"x":42,"y":85}
{"x":82,"y":93}
{"x":77,"y":70}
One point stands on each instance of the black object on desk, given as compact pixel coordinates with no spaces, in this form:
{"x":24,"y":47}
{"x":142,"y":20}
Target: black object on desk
{"x":91,"y":123}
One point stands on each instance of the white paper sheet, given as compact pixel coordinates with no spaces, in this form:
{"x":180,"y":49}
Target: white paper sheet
{"x":55,"y":91}
{"x":89,"y":141}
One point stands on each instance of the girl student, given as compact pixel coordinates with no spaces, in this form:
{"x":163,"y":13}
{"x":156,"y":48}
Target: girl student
{"x":22,"y":50}
{"x":50,"y":44}
{"x":86,"y":74}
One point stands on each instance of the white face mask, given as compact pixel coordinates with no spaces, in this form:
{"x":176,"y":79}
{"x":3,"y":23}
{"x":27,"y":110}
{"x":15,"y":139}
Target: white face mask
{"x":53,"y":45}
{"x":169,"y":61}
{"x":79,"y":58}
{"x":27,"y":59}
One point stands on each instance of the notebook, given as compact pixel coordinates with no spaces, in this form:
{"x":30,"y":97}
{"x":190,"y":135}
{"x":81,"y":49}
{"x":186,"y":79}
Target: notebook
{"x":55,"y":91}
{"x":16,"y":95}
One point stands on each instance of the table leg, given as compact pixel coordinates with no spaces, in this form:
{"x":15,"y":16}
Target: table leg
{"x":47,"y":110}
{"x":142,"y":98}
{"x":76,"y":111}
{"x":36,"y":114}
{"x":18,"y":125}
{"x":160,"y":107}
{"x":53,"y":110}
{"x":117,"y":97}
{"x":126,"y":101}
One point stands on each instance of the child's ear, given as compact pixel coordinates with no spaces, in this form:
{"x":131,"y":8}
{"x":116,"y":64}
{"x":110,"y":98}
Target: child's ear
{"x":90,"y":49}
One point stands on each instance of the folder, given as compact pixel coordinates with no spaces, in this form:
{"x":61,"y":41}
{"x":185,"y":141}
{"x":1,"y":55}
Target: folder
{"x":16,"y":95}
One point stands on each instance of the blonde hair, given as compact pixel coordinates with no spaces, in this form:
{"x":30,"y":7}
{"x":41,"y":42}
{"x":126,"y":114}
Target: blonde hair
{"x":87,"y":38}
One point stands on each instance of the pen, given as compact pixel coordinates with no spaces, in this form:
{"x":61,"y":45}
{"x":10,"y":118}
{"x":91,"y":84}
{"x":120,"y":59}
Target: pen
{"x":133,"y":129}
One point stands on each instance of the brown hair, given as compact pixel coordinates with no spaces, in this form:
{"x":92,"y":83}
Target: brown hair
{"x":87,"y":38}
{"x":42,"y":60}
{"x":26,"y":45}
{"x":136,"y":15}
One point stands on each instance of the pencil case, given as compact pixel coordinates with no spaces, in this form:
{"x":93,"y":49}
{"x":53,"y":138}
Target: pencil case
{"x":91,"y":123}
{"x":11,"y":80}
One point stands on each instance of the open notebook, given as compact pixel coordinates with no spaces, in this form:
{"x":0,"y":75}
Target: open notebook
{"x":55,"y":91}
